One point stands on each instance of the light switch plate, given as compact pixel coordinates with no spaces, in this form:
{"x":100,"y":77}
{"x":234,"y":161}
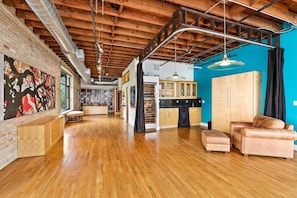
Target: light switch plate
{"x":295,"y":103}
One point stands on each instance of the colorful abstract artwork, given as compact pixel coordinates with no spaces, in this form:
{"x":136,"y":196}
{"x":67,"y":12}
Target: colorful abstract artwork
{"x":27,"y":90}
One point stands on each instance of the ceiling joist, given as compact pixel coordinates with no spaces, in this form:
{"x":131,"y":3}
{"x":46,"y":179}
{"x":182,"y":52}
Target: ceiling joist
{"x":128,"y":26}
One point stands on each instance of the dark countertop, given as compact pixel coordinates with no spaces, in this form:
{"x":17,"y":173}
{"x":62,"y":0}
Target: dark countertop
{"x":176,"y":103}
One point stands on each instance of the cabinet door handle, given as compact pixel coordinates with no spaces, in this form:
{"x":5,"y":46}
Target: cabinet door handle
{"x":228,"y":97}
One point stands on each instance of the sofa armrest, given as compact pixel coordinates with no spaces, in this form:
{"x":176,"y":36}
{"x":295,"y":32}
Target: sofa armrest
{"x":237,"y":126}
{"x":234,"y":124}
{"x":269,"y":133}
{"x":289,"y":126}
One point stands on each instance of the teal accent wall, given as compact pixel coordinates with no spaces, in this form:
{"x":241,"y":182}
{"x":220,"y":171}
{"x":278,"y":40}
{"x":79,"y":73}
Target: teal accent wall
{"x":289,"y":43}
{"x":255,"y":58}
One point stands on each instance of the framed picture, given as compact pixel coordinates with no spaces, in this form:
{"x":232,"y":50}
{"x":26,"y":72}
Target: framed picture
{"x":27,"y":90}
{"x":132,"y":96}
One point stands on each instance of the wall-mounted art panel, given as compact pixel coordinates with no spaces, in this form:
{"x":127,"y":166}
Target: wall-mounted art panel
{"x":95,"y":97}
{"x":132,"y":96}
{"x":27,"y":90}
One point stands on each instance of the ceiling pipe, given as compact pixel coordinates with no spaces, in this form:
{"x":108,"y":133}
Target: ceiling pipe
{"x":46,"y":11}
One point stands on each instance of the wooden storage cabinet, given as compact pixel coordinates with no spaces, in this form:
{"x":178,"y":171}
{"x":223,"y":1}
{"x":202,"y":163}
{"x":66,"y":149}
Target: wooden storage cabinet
{"x":194,"y":89}
{"x":187,"y":89}
{"x":36,"y":138}
{"x":167,"y":89}
{"x":95,"y":110}
{"x":195,"y":116}
{"x":168,"y":117}
{"x":235,"y":98}
{"x":178,"y":89}
{"x":181,"y":89}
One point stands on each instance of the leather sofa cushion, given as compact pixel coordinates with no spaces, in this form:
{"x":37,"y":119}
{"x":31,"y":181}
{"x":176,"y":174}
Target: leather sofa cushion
{"x":261,"y":121}
{"x":281,"y":134}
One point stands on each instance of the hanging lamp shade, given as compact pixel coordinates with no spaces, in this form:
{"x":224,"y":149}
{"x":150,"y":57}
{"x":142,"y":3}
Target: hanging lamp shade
{"x":225,"y":63}
{"x":175,"y":75}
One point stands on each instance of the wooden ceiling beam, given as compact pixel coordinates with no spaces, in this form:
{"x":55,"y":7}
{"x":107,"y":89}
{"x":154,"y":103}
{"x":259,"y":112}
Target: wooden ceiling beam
{"x":218,"y":11}
{"x":114,"y":51}
{"x":156,"y":8}
{"x":84,"y":27}
{"x":80,"y":6}
{"x":122,"y":56}
{"x":104,"y":38}
{"x":277,"y":10}
{"x":126,"y":13}
{"x":128,"y":25}
{"x":107,"y":20}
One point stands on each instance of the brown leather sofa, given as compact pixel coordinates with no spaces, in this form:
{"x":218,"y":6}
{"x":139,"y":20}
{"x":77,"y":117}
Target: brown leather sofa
{"x":265,"y":136}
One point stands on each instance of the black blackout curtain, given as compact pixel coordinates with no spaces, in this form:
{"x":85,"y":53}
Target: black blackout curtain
{"x":275,"y":97}
{"x":139,"y":125}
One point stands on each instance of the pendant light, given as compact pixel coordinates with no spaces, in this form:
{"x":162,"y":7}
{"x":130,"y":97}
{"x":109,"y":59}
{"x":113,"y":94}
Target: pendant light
{"x":175,"y":75}
{"x":225,"y":63}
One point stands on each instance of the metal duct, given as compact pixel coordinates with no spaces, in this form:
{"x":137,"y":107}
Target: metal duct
{"x":46,"y":11}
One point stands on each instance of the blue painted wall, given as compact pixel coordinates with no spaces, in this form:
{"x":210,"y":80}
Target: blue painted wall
{"x":255,"y":58}
{"x":289,"y":43}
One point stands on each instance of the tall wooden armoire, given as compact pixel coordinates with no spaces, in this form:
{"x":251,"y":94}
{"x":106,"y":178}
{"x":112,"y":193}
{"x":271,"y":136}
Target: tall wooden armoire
{"x":235,"y":98}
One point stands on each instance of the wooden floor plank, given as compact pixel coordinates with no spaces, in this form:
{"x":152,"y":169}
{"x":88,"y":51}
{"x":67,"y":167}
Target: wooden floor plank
{"x":103,"y":157}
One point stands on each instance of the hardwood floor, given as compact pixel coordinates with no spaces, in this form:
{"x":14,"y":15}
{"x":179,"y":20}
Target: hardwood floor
{"x":103,"y":157}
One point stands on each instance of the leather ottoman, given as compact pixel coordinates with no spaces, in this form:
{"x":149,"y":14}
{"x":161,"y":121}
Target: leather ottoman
{"x":214,"y":140}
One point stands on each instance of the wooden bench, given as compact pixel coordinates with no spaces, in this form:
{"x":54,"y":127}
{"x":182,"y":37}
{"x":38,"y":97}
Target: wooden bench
{"x":74,"y":116}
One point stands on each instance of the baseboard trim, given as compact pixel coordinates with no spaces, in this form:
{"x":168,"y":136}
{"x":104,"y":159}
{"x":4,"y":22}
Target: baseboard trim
{"x":203,"y":124}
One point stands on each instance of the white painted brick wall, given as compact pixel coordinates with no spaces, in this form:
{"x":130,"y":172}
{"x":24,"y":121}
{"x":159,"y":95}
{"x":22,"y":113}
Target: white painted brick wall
{"x":17,"y":41}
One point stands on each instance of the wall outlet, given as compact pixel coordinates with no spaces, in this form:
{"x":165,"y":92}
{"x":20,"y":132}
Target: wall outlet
{"x":295,"y":103}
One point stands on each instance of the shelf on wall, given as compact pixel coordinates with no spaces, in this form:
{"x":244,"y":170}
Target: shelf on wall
{"x":149,"y":103}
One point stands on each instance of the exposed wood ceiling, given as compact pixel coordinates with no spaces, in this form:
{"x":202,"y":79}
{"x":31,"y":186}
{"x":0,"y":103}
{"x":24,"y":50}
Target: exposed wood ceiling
{"x":125,"y":27}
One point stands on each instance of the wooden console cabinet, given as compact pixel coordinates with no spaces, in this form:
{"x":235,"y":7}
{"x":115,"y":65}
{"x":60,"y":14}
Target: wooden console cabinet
{"x":36,"y":138}
{"x":95,"y":110}
{"x":169,"y":117}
